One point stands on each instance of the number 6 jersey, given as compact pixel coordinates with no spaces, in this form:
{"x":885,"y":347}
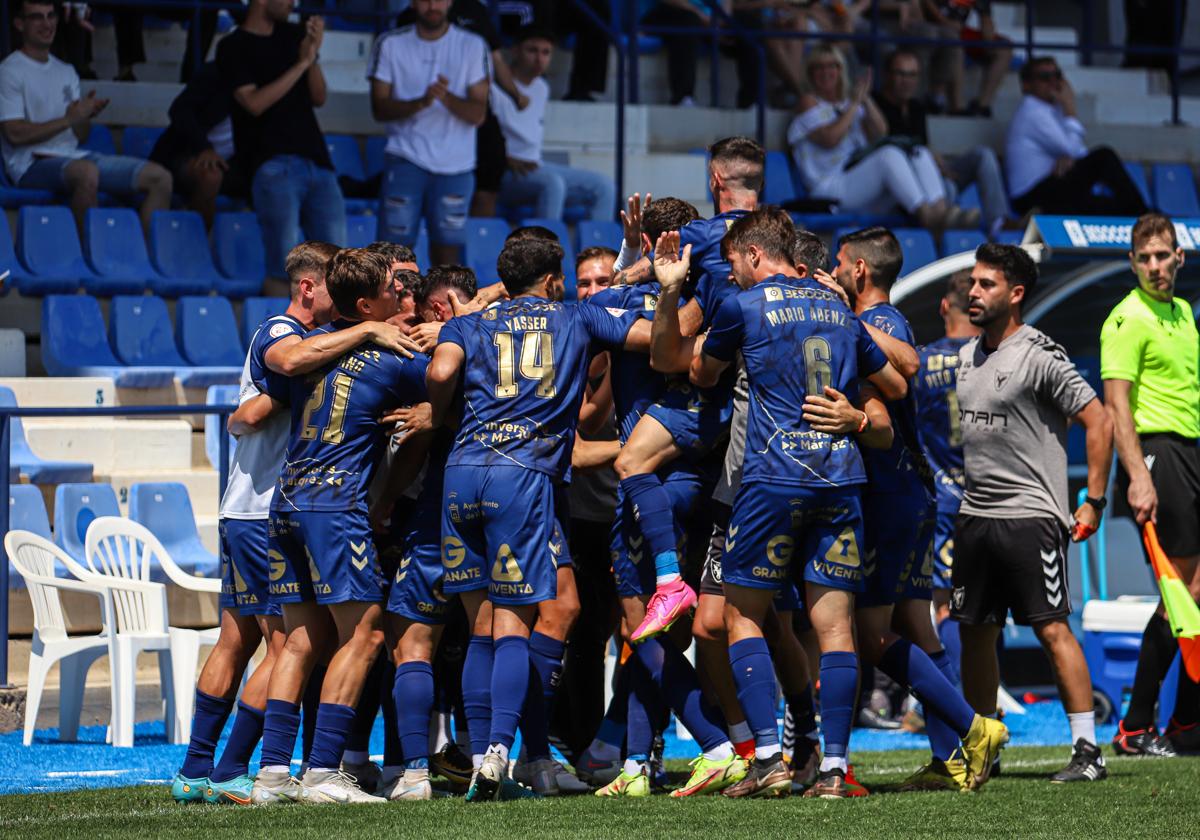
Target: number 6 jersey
{"x":336,"y":440}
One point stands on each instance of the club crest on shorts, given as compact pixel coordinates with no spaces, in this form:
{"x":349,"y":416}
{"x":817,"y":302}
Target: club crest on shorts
{"x":958,"y":596}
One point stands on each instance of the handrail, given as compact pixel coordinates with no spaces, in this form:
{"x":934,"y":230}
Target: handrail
{"x":7,"y":413}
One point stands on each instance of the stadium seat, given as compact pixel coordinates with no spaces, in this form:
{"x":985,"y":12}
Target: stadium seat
{"x":373,"y":157}
{"x":27,"y":510}
{"x":605,"y":234}
{"x":75,"y":506}
{"x":179,"y":250}
{"x":255,"y":310}
{"x":361,"y":230}
{"x":559,"y":228}
{"x":241,"y":260}
{"x":347,"y":160}
{"x":166,"y":511}
{"x":138,"y":140}
{"x":139,"y":328}
{"x":13,"y":197}
{"x":1009,"y":237}
{"x":27,"y":463}
{"x":1175,"y":190}
{"x":918,"y":248}
{"x":99,"y":140}
{"x":17,"y":275}
{"x":48,"y":245}
{"x":484,"y":241}
{"x":207,"y":332}
{"x":968,"y":199}
{"x":116,"y":249}
{"x":74,"y":343}
{"x":779,"y":186}
{"x":1137,"y":174}
{"x":214,"y":424}
{"x":957,"y":241}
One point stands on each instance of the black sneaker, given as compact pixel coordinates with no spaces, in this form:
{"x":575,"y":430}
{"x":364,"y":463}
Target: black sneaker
{"x":1184,"y":739}
{"x":1141,"y":742}
{"x":1087,"y":765}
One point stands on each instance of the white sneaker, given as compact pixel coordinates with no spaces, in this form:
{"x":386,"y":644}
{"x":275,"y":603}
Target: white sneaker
{"x":549,"y":778}
{"x":366,"y":775}
{"x":490,"y":776}
{"x":320,"y":786}
{"x":274,"y":789}
{"x":411,"y":784}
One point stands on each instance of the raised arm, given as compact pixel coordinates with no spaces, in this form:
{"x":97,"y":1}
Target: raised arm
{"x":670,"y":350}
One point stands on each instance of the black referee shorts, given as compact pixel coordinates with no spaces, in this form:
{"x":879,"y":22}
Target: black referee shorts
{"x":1174,"y":464}
{"x":1009,"y":564}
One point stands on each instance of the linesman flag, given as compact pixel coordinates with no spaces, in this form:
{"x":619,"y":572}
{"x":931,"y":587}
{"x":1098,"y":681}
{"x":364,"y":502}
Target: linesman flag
{"x":1182,"y":612}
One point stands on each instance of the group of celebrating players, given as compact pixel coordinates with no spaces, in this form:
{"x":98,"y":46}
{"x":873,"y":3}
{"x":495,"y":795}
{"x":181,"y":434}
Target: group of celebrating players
{"x":748,"y":387}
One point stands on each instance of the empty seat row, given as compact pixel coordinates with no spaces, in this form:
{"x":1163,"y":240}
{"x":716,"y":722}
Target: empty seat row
{"x":485,"y":239}
{"x":919,"y":248}
{"x":24,"y":462}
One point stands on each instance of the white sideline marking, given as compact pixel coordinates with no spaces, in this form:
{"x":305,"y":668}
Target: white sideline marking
{"x":59,"y":774}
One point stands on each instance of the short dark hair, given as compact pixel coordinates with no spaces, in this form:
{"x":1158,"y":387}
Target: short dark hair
{"x":900,"y":52}
{"x":393,"y":251}
{"x":1014,"y":262}
{"x":531,"y":232}
{"x":879,"y":248}
{"x":533,"y":31}
{"x":457,"y":277}
{"x":1150,"y":225}
{"x":770,"y":228}
{"x":958,"y":290}
{"x":525,"y":261}
{"x":810,"y":251}
{"x":741,"y":159}
{"x":1030,"y":66}
{"x":310,"y":257}
{"x":664,"y":214}
{"x":596,"y":252}
{"x":356,"y":273}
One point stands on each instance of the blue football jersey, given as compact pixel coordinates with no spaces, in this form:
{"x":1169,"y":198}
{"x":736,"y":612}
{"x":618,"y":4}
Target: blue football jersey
{"x":269,"y":332}
{"x":938,"y":422}
{"x":336,"y":440}
{"x":710,"y":270}
{"x":523,"y":379}
{"x":900,"y":468}
{"x":796,"y":337}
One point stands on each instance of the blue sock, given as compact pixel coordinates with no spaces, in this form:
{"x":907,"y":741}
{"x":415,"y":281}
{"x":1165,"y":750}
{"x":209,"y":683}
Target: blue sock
{"x":367,"y":708}
{"x":546,"y":655}
{"x":613,"y":727}
{"x":243,"y":738}
{"x":643,"y":697}
{"x":477,"y":691}
{"x":910,"y":666}
{"x":510,"y":684}
{"x":947,"y":630}
{"x":280,"y":724}
{"x":754,"y":676}
{"x":334,"y":723}
{"x":393,"y":755}
{"x":839,"y":683}
{"x":804,"y":712}
{"x":413,"y":696}
{"x":311,"y":700}
{"x":942,"y":739}
{"x":207,"y":722}
{"x":535,"y":735}
{"x":676,"y":680}
{"x":652,"y":511}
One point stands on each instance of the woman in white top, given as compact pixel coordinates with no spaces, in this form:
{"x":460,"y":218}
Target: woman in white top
{"x":828,"y":137}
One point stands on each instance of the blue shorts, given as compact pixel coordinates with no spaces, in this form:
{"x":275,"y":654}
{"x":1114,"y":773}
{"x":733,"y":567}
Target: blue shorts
{"x":632,"y":566}
{"x":410,"y":194}
{"x":416,"y":590}
{"x":772,"y":523}
{"x":943,"y":549}
{"x":899,"y":541}
{"x":118,"y":173}
{"x":500,"y":533}
{"x":323,"y":556}
{"x":245,"y":567}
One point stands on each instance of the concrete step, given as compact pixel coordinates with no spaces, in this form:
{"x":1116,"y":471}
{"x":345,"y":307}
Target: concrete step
{"x":201,"y":486}
{"x":62,"y":392}
{"x":113,"y":444}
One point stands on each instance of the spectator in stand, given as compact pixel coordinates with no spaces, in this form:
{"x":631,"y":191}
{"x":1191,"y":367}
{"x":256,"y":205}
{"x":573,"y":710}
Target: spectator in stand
{"x":949,"y":19}
{"x":197,"y":147}
{"x":44,"y":118}
{"x":683,"y":51}
{"x":131,"y":42}
{"x":837,"y":139}
{"x":1048,"y":164}
{"x":429,"y":84}
{"x":906,"y":118}
{"x":530,"y":179}
{"x":270,"y":65}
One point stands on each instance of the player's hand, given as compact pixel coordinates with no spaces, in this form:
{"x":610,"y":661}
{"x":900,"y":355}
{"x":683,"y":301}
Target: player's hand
{"x":410,"y":420}
{"x":391,"y":337}
{"x":631,"y":220}
{"x":671,"y":267}
{"x":826,"y":280}
{"x":425,"y":335}
{"x":1143,"y":500}
{"x":1087,"y":520}
{"x":475,"y":304}
{"x":832,"y":413}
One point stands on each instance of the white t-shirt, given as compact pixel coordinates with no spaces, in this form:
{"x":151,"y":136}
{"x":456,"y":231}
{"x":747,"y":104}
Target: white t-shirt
{"x":432,"y":138}
{"x":817,"y":163}
{"x":1039,"y":134}
{"x":38,"y":92}
{"x":523,"y":130}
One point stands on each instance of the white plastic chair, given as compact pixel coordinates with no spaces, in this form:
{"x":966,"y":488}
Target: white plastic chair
{"x":120,"y":549}
{"x":34,"y":558}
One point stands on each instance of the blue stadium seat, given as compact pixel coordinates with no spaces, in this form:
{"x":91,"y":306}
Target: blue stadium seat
{"x":918,"y":248}
{"x":241,"y":260}
{"x":27,"y":510}
{"x":25,"y":461}
{"x":17,"y":274}
{"x":75,"y":506}
{"x":48,"y":245}
{"x":1009,"y":237}
{"x":100,"y":140}
{"x":373,"y":157}
{"x":421,"y":248}
{"x":207,"y":332}
{"x":166,"y":511}
{"x":214,"y":424}
{"x":347,"y":160}
{"x":361,"y":230}
{"x":116,"y":249}
{"x":1175,"y":189}
{"x":484,"y":241}
{"x":139,"y":328}
{"x":1137,"y":174}
{"x":559,"y":227}
{"x":255,"y":310}
{"x":780,"y":187}
{"x":957,"y":241}
{"x":75,"y":343}
{"x":968,"y":199}
{"x":606,"y":234}
{"x":13,"y":197}
{"x":179,"y":250}
{"x":138,"y":140}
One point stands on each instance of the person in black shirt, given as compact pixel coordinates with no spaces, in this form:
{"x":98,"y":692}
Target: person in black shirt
{"x":271,"y":68}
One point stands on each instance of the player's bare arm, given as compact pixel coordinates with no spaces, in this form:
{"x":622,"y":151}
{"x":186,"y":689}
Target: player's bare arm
{"x":253,"y":414}
{"x":441,"y":380}
{"x":294,"y":356}
{"x":670,"y":350}
{"x":1143,"y":499}
{"x":1098,"y":425}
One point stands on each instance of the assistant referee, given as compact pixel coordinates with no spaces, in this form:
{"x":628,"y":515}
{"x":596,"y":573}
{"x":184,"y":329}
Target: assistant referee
{"x":1150,"y":363}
